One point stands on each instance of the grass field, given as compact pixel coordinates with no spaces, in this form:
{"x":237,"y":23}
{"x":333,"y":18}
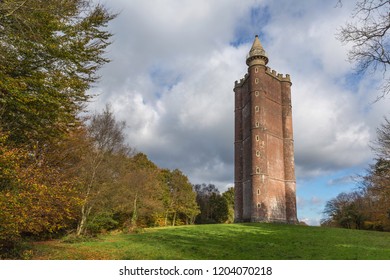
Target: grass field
{"x":225,"y":241}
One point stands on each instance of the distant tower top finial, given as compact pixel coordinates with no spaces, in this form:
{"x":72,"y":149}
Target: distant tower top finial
{"x":257,"y":54}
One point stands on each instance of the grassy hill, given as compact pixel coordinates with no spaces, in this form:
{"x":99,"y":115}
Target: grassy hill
{"x":225,"y":241}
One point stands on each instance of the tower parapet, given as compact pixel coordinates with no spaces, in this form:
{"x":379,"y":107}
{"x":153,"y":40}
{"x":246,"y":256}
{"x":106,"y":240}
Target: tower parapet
{"x":269,"y":71}
{"x":280,"y":77}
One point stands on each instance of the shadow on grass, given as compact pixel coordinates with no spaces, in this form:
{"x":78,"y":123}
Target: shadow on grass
{"x":236,"y":241}
{"x":265,"y":241}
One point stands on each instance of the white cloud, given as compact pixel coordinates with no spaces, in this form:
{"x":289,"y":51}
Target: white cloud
{"x":331,"y":128}
{"x":310,"y":221}
{"x":174,"y":68}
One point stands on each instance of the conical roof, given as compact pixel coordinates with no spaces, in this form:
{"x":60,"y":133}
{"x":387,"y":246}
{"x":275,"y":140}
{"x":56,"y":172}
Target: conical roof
{"x":257,"y":53}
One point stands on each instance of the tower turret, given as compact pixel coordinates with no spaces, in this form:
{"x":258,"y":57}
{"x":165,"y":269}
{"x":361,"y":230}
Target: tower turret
{"x":257,"y":54}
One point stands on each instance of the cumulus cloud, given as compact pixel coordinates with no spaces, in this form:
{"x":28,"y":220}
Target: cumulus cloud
{"x":173,"y":68}
{"x":331,"y":126}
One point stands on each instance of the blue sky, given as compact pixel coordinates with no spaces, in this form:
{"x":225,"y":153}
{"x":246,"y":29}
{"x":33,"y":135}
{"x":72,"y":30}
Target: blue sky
{"x":172,"y":73}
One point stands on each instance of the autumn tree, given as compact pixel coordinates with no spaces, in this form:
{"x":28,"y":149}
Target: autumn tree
{"x":36,"y":198}
{"x":50,"y":52}
{"x":369,"y":206}
{"x":98,"y":170}
{"x":376,"y":182}
{"x":138,"y":194}
{"x":368,"y":32}
{"x":179,"y":197}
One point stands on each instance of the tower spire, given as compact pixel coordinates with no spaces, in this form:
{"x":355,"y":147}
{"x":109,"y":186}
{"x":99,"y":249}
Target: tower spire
{"x":257,"y":54}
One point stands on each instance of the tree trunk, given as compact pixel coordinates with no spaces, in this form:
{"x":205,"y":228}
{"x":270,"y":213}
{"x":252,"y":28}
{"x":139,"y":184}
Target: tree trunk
{"x":134,"y":216}
{"x":166,"y":217}
{"x":85,"y":212}
{"x":174,"y":218}
{"x":84,"y":216}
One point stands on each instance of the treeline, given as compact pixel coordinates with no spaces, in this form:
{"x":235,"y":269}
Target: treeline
{"x":60,"y":174}
{"x":368,"y":207}
{"x":50,"y":52}
{"x":87,"y":182}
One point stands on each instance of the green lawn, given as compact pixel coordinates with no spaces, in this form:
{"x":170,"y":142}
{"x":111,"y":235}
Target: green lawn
{"x":226,"y":241}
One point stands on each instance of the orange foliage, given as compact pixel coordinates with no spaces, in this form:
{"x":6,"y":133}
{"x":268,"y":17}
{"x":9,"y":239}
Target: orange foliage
{"x":34,"y":198}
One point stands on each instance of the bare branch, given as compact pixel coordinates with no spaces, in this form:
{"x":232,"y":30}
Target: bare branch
{"x":15,"y":9}
{"x":369,"y":34}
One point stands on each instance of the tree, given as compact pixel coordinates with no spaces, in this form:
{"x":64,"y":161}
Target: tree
{"x":376,"y":183}
{"x":49,"y":52}
{"x":369,"y":35}
{"x":36,"y":198}
{"x":138,"y":195}
{"x":107,"y":133}
{"x":179,"y":199}
{"x":213,"y":206}
{"x":100,"y":166}
{"x":218,"y":208}
{"x":382,"y":144}
{"x":229,"y":197}
{"x":368,"y":208}
{"x":344,"y":211}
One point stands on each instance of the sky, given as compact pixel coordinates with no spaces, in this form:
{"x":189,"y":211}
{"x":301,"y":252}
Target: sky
{"x":171,"y":77}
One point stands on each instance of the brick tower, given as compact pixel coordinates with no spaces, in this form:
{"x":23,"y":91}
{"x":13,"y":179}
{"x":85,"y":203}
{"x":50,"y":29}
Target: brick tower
{"x":264,"y":175}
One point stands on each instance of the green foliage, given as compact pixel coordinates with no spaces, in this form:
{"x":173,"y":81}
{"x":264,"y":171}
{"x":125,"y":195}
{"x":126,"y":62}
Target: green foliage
{"x":346,"y":210}
{"x":141,"y":161}
{"x":101,"y":222}
{"x":255,"y":241}
{"x":229,"y":197}
{"x":218,"y":208}
{"x":179,"y":198}
{"x":73,"y":238}
{"x":214,"y":207}
{"x":50,"y":52}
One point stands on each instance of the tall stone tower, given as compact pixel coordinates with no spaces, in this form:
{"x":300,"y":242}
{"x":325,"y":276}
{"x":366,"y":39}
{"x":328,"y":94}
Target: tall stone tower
{"x":263,"y":147}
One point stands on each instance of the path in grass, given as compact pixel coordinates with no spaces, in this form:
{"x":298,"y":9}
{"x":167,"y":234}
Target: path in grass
{"x":234,"y":241}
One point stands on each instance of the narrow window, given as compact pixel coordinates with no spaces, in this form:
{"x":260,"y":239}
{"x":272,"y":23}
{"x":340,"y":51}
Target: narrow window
{"x":257,"y":93}
{"x":256,"y":108}
{"x":257,"y":124}
{"x":258,"y":153}
{"x":257,"y":138}
{"x":256,"y":69}
{"x":256,"y":80}
{"x":258,"y":192}
{"x":258,"y":205}
{"x":257,"y":170}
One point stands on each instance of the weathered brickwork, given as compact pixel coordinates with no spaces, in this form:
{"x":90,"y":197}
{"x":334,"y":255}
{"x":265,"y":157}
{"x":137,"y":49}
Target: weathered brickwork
{"x":263,"y":146}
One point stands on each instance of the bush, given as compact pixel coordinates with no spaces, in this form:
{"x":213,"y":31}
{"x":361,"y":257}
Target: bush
{"x":101,"y":222}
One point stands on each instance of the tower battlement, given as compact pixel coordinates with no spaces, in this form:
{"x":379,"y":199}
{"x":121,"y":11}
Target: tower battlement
{"x":280,"y":77}
{"x":263,"y":144}
{"x":269,"y":71}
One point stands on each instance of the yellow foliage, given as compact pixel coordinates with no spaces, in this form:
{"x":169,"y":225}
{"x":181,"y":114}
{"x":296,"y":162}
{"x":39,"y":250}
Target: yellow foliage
{"x":33,"y":198}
